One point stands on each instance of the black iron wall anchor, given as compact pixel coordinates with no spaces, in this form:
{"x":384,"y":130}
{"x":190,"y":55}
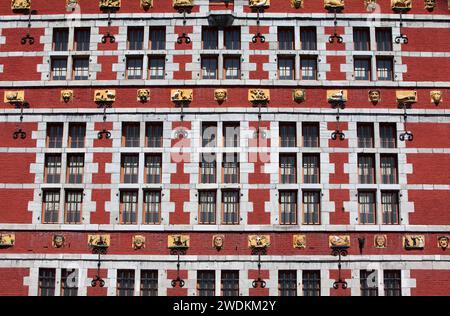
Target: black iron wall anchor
{"x":259,"y":282}
{"x":108,"y":35}
{"x":97,"y":280}
{"x":28,"y":38}
{"x":258,"y":34}
{"x":339,"y":105}
{"x":184,"y":36}
{"x":406,"y":135}
{"x":104,"y":132}
{"x":182,"y":104}
{"x":341,"y":252}
{"x":402,"y":38}
{"x":19,"y":132}
{"x":335,"y":35}
{"x":178,"y":281}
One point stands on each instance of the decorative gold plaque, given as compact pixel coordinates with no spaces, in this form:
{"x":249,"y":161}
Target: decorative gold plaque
{"x":178,"y":241}
{"x":401,"y":4}
{"x":299,"y":241}
{"x":414,"y":241}
{"x":259,"y":3}
{"x":259,"y":95}
{"x":105,"y":95}
{"x":339,"y":241}
{"x":333,"y":4}
{"x":406,"y":96}
{"x":99,"y":241}
{"x":180,"y":95}
{"x":20,"y":4}
{"x":183,"y":3}
{"x":14,"y":96}
{"x":337,"y":95}
{"x":115,"y":4}
{"x":258,"y":241}
{"x":7,"y":240}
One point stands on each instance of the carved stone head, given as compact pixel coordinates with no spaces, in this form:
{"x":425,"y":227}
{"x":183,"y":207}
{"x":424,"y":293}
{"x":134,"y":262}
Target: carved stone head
{"x":138,"y":242}
{"x":67,"y":95}
{"x":58,"y":241}
{"x":436,"y":97}
{"x":143,"y":95}
{"x":220,"y":95}
{"x":443,"y":242}
{"x":430,"y":4}
{"x":374,"y":96}
{"x":299,"y":95}
{"x":218,"y":241}
{"x":146,"y":4}
{"x":297,"y":4}
{"x":380,"y":241}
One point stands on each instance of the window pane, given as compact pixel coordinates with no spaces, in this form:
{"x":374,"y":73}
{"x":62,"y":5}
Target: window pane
{"x":131,"y":134}
{"x":288,"y":135}
{"x":52,"y":168}
{"x":153,"y":165}
{"x":362,"y":69}
{"x":75,"y":167}
{"x":69,"y":282}
{"x":74,"y":201}
{"x":59,"y":69}
{"x":210,"y":36}
{"x":157,"y":66}
{"x":367,"y":208}
{"x":157,"y":38}
{"x":288,"y":207}
{"x":309,"y":68}
{"x":311,"y":283}
{"x":384,"y":39}
{"x":209,"y":67}
{"x":209,"y":134}
{"x":54,"y":135}
{"x":365,"y":135}
{"x":82,"y":39}
{"x":385,"y":69}
{"x":134,"y":67}
{"x":392,"y":283}
{"x":207,"y":207}
{"x":308,"y":38}
{"x":310,"y":135}
{"x":388,"y":166}
{"x":390,"y":208}
{"x":232,"y":38}
{"x":154,"y":133}
{"x":130,"y":168}
{"x":311,"y":168}
{"x":288,"y":168}
{"x":81,"y":68}
{"x":149,"y":283}
{"x":232,"y":67}
{"x":125,"y":283}
{"x":230,"y":168}
{"x":361,"y":38}
{"x":77,"y":134}
{"x":47,"y":278}
{"x":50,"y":207}
{"x":287,"y":283}
{"x":311,"y":207}
{"x":230,"y":207}
{"x":135,"y":38}
{"x":60,"y":39}
{"x":286,"y":68}
{"x":388,"y":136}
{"x":128,"y":207}
{"x":369,"y":283}
{"x":366,"y":169}
{"x":285,"y":38}
{"x":206,"y":283}
{"x":152,"y":207}
{"x":230,"y":283}
{"x":208,"y":168}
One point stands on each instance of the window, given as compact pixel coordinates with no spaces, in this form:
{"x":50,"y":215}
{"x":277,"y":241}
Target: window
{"x":69,"y":282}
{"x":230,"y":283}
{"x":288,"y":207}
{"x":128,"y":207}
{"x":153,"y":165}
{"x":207,"y":207}
{"x":392,"y":283}
{"x":385,"y":69}
{"x":60,"y":40}
{"x":231,"y":134}
{"x":59,"y":68}
{"x":285,"y":38}
{"x":74,"y":201}
{"x":308,"y":38}
{"x":365,"y":135}
{"x":369,"y":283}
{"x":390,"y":207}
{"x":366,"y":168}
{"x":308,"y":67}
{"x":388,"y":166}
{"x":154,"y":134}
{"x":47,"y":278}
{"x":311,"y":168}
{"x":311,"y":207}
{"x":134,"y":67}
{"x":152,"y":207}
{"x":232,"y":38}
{"x":288,"y":135}
{"x":286,"y":68}
{"x":361,"y":38}
{"x":208,"y":168}
{"x":209,"y":67}
{"x":287,"y":282}
{"x":77,"y":134}
{"x":230,"y":207}
{"x":232,"y":67}
{"x":210,"y":38}
{"x":54,"y":135}
{"x":130,"y":134}
{"x":80,"y":68}
{"x":125,"y":283}
{"x":157,"y":38}
{"x":206,"y":283}
{"x":311,"y":283}
{"x":288,"y":168}
{"x":51,"y":206}
{"x":310,"y":134}
{"x":75,"y":166}
{"x":384,"y":39}
{"x":82,"y":39}
{"x":52,"y":172}
{"x":130,"y":168}
{"x":157,"y":67}
{"x":149,"y":283}
{"x":135,"y":38}
{"x":362,"y":68}
{"x":388,"y":135}
{"x":367,"y":208}
{"x":230,"y":164}
{"x":209,"y":133}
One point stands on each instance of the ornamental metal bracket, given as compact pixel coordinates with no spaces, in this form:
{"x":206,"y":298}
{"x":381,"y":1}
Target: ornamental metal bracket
{"x":19,"y":132}
{"x":184,"y":36}
{"x":335,"y":35}
{"x":108,"y":35}
{"x":338,"y":105}
{"x":341,"y":252}
{"x":402,"y":38}
{"x":259,"y":282}
{"x":258,"y":34}
{"x":182,"y":104}
{"x":258,"y":128}
{"x":178,"y":281}
{"x":104,"y":132}
{"x":28,"y":38}
{"x":97,"y":280}
{"x":406,"y":135}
